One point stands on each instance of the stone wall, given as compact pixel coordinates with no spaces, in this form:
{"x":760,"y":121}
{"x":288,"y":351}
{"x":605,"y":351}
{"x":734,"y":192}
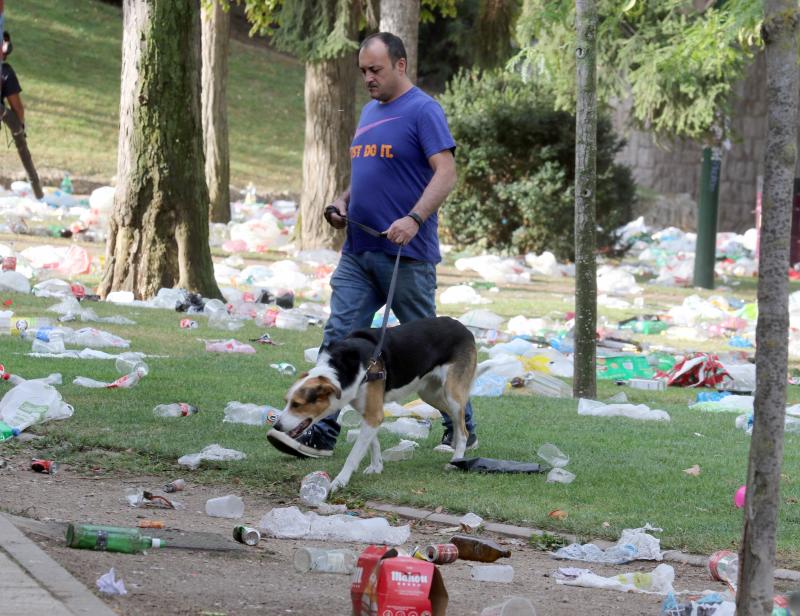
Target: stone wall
{"x":673,"y":169}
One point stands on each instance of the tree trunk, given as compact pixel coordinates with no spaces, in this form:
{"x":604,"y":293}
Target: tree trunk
{"x":780,"y":30}
{"x":158,"y":232}
{"x":216,"y":42}
{"x":330,"y":124}
{"x":401,"y":17}
{"x":585,"y":382}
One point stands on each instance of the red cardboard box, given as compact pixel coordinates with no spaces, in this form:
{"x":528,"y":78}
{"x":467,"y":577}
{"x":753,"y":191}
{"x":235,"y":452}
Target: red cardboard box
{"x":385,"y":584}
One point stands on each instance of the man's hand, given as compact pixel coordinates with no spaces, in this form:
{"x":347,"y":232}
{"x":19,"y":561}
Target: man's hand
{"x":402,"y":231}
{"x":336,"y":218}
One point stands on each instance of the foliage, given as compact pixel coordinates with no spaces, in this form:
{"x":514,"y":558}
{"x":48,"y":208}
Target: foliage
{"x":312,"y":30}
{"x":480,"y":34}
{"x":679,"y":64}
{"x":516,"y":157}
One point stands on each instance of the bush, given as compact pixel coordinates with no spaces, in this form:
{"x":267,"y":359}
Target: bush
{"x":516,"y":169}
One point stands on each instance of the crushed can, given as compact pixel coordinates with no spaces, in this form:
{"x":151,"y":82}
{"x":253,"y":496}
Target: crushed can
{"x":189,"y":324}
{"x":175,"y":486}
{"x":9,"y":264}
{"x":246,"y":535}
{"x":44,"y":466}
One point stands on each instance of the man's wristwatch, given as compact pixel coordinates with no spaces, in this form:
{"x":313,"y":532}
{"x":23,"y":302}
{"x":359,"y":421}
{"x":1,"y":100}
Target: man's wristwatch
{"x":416,"y":218}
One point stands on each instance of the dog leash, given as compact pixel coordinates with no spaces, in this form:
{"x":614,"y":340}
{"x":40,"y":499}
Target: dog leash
{"x":375,"y":370}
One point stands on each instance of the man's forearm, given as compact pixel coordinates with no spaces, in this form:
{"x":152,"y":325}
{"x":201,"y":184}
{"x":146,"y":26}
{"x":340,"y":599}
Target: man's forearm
{"x":345,"y":196}
{"x":16,"y":104}
{"x":435,"y":192}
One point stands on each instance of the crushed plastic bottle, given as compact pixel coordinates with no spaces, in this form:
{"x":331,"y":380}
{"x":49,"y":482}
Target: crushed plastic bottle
{"x":284,"y":369}
{"x":408,"y":427}
{"x":315,"y":487}
{"x":176,"y":409}
{"x":250,"y":414}
{"x":404,"y":450}
{"x":560,"y":475}
{"x":213,"y":453}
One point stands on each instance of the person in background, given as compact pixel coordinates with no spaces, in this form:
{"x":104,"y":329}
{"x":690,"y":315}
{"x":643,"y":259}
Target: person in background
{"x":9,"y":84}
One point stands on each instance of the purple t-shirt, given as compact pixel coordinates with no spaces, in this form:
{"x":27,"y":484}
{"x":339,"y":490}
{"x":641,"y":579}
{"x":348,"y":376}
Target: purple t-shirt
{"x":390,"y":171}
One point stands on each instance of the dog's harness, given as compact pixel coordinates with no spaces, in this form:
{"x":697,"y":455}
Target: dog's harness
{"x":376,"y":370}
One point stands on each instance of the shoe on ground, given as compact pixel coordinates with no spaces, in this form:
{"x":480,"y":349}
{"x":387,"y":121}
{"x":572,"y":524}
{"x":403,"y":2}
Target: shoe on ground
{"x":308,"y":445}
{"x":446,"y":445}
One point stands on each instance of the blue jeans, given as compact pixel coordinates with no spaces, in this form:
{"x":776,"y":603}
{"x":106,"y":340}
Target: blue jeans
{"x":360,"y":286}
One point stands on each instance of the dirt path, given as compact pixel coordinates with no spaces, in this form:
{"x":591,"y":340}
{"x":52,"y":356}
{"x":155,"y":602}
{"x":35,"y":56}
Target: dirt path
{"x":262,"y":579}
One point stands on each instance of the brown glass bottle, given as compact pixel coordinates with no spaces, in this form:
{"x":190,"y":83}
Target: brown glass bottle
{"x":483,"y":550}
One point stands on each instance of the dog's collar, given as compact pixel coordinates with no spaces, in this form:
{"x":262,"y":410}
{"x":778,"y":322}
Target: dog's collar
{"x":375,"y":371}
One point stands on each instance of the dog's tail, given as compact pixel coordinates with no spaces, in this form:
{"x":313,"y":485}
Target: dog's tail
{"x":486,"y":365}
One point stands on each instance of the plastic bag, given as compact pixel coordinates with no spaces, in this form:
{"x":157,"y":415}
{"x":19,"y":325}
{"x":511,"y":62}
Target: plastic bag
{"x":213,"y":453}
{"x":229,"y":346}
{"x":659,"y":581}
{"x":462,"y":294}
{"x":32,"y":402}
{"x":291,"y":523}
{"x":632,"y":411}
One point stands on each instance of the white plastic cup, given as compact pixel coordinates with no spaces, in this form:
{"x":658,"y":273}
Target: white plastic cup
{"x":493,"y":573}
{"x":229,"y":506}
{"x":560,"y":475}
{"x":324,"y":561}
{"x":513,"y":606}
{"x":553,"y":455}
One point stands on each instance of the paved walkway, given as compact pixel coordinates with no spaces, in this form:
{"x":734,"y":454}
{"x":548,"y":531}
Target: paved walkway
{"x":33,"y":583}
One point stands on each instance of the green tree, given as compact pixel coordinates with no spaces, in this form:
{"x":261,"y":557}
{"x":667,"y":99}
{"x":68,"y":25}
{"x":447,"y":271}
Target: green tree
{"x":678,"y":64}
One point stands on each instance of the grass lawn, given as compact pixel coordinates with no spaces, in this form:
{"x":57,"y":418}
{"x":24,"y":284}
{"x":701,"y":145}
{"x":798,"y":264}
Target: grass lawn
{"x":628,"y":472}
{"x":67,"y":56}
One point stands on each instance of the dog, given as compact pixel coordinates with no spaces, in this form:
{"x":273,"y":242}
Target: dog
{"x":434,"y":358}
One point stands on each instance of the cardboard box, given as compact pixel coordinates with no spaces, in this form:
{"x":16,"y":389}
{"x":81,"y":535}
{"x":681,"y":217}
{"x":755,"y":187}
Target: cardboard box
{"x":650,"y":384}
{"x":386,"y":584}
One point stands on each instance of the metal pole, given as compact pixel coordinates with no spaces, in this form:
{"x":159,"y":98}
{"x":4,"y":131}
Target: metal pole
{"x":707,"y":209}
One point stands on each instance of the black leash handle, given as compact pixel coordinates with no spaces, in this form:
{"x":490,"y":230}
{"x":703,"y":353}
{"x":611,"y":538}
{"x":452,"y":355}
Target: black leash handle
{"x":332,"y":209}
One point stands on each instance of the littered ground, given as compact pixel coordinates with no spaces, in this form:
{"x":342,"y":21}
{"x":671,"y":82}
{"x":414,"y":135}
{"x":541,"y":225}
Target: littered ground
{"x":262,"y":579}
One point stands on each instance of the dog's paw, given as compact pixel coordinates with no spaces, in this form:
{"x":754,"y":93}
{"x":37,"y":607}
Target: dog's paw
{"x":373,"y":469}
{"x":337,"y":483}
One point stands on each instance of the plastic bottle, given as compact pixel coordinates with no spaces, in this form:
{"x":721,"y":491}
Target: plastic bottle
{"x":174,"y":486}
{"x":7,"y":432}
{"x":176,"y":409}
{"x":492,"y":573}
{"x":315,"y":487}
{"x":324,"y":561}
{"x":109,"y":539}
{"x":482,"y":550}
{"x":229,"y":506}
{"x":66,"y":184}
{"x":404,"y":450}
{"x":724,"y":567}
{"x":349,"y":417}
{"x":712,"y":396}
{"x":251,"y":414}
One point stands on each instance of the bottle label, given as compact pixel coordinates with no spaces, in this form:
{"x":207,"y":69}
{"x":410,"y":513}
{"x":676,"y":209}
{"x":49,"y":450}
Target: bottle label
{"x":184,"y":408}
{"x":101,"y":543}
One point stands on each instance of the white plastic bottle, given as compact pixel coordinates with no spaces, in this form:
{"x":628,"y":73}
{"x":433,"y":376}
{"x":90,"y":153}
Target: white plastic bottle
{"x":324,"y":561}
{"x":251,"y":414}
{"x":315,"y":487}
{"x":176,"y":409}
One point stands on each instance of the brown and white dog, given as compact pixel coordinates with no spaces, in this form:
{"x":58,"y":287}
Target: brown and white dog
{"x":434,"y":358}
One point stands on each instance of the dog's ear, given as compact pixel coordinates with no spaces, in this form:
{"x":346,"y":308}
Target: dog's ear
{"x":326,"y":388}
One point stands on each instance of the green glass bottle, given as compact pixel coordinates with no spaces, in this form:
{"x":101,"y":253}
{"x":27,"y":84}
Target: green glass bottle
{"x":109,"y":539}
{"x":7,"y":432}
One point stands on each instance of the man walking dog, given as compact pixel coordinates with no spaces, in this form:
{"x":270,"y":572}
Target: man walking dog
{"x":403,"y":168}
